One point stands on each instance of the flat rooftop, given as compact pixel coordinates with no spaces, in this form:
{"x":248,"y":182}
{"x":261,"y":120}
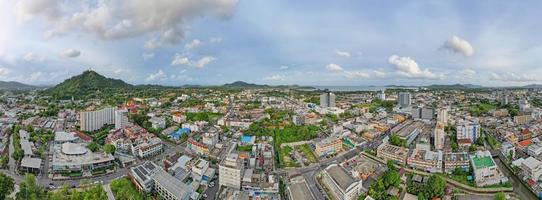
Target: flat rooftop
{"x":483,"y":162}
{"x":298,"y":189}
{"x":339,"y":175}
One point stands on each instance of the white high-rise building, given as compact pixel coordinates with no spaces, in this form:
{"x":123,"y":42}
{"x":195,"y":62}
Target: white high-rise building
{"x":94,"y":120}
{"x":121,"y":118}
{"x":382,"y":95}
{"x":467,"y":130}
{"x":404,"y":99}
{"x":327,"y":99}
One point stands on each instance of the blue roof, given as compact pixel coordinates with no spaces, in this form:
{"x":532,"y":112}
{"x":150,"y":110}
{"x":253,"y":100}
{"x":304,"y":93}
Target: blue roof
{"x":180,"y":132}
{"x":247,"y":138}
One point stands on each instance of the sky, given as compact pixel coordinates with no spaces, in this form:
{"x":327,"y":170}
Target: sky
{"x":319,"y":43}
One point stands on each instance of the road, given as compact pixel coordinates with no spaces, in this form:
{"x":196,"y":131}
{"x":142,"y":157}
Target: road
{"x":519,"y":188}
{"x":107,"y":189}
{"x":11,"y":162}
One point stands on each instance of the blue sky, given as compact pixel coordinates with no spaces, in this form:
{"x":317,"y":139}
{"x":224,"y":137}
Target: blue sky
{"x":210,"y":42}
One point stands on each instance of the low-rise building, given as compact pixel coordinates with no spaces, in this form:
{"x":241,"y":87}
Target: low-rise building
{"x":485,"y":170}
{"x":453,"y":161}
{"x":425,"y":160}
{"x":532,"y":168}
{"x":391,"y":152}
{"x":340,"y":183}
{"x":328,"y":146}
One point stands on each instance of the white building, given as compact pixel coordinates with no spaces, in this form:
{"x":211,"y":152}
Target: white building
{"x":158,"y":122}
{"x":467,"y":131}
{"x":340,"y":183}
{"x":485,"y":170}
{"x":231,"y":171}
{"x":94,"y":120}
{"x":532,"y":168}
{"x":508,"y":148}
{"x":121,"y":118}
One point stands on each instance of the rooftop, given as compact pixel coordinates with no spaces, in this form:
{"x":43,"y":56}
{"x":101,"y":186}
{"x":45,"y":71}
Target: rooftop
{"x":482,"y":162}
{"x":340,"y":176}
{"x":173,"y":185}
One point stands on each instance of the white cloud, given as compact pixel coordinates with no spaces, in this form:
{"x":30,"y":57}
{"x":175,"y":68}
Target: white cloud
{"x":27,"y":9}
{"x":32,"y":57}
{"x":193,"y":44}
{"x":35,"y":76}
{"x":469,"y":73}
{"x":344,"y":54}
{"x":164,"y":20}
{"x":4,"y":71}
{"x":284,"y":67}
{"x":458,"y":45}
{"x":180,"y":59}
{"x":158,"y":76}
{"x":275,"y":77}
{"x":71,"y":53}
{"x":355,"y":74}
{"x":513,"y":77}
{"x":407,"y":67}
{"x":379,"y":74}
{"x":202,"y":62}
{"x":215,"y":40}
{"x":334,"y":67}
{"x":147,"y":56}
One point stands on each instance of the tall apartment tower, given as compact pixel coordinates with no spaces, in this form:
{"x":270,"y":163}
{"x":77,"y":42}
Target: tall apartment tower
{"x":94,"y":120}
{"x":121,"y":118}
{"x":404,"y":99}
{"x":438,"y":136}
{"x":442,"y":115}
{"x":327,"y":99}
{"x":382,"y":95}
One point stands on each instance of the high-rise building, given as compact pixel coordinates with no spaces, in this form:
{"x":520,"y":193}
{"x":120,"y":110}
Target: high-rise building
{"x":327,"y":99}
{"x":467,"y":132}
{"x":442,"y":115}
{"x":121,"y":118}
{"x":382,"y":95}
{"x":404,"y":99}
{"x":94,"y":120}
{"x":231,"y":170}
{"x":438,"y":136}
{"x":504,"y":99}
{"x":524,"y":105}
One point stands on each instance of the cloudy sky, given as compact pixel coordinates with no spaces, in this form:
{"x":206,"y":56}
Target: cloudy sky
{"x":209,"y":42}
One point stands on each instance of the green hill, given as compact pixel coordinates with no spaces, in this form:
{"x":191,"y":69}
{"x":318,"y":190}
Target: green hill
{"x":12,"y":85}
{"x":89,"y":82}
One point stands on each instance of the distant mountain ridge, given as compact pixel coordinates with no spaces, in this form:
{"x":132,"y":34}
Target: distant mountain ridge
{"x":14,"y":85}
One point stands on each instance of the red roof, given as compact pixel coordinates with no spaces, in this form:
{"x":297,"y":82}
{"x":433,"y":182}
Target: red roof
{"x":464,"y":141}
{"x":83,"y":136}
{"x":531,"y":182}
{"x":525,"y":143}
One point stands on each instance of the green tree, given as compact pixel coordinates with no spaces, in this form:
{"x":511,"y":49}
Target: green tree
{"x":30,"y":190}
{"x":92,"y":146}
{"x":109,"y":148}
{"x":6,"y":185}
{"x":472,"y":148}
{"x":500,"y":196}
{"x":397,"y":141}
{"x":435,"y":186}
